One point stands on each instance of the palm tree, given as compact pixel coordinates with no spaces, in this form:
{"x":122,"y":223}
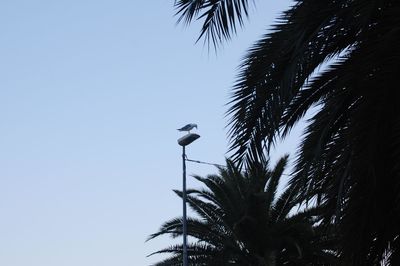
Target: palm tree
{"x":241,"y":221}
{"x":349,"y":158}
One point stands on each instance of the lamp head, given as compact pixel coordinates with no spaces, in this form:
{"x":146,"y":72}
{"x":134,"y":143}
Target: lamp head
{"x":187,"y":139}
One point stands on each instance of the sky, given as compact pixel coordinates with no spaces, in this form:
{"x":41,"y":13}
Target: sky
{"x":91,"y":95}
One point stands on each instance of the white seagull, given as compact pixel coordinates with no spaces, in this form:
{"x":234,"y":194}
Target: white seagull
{"x":188,"y":127}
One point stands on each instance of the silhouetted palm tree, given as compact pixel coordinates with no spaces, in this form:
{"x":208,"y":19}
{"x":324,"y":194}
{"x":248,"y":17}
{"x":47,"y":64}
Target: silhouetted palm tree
{"x":241,"y":221}
{"x":349,"y":158}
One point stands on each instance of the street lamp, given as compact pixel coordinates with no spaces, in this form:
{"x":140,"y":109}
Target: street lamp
{"x":184,"y":141}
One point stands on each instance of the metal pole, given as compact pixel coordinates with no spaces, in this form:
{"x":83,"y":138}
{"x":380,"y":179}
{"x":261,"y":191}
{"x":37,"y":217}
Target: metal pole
{"x":185,"y":255}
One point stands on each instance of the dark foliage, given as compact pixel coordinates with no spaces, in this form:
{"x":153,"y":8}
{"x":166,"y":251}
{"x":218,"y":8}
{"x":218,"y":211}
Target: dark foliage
{"x":241,"y":221}
{"x":349,"y":159}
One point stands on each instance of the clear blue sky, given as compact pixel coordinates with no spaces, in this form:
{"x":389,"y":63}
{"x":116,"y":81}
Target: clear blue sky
{"x":91,"y":94}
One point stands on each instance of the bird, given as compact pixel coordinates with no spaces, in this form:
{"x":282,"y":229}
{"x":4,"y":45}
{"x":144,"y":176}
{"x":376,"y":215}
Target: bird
{"x":188,"y":127}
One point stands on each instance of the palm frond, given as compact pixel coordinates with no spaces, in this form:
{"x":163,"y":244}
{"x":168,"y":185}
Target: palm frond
{"x":220,"y":17}
{"x":279,"y":65}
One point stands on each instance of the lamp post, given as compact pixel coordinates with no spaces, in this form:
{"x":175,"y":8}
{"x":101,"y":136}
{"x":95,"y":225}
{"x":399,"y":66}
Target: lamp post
{"x":184,"y":141}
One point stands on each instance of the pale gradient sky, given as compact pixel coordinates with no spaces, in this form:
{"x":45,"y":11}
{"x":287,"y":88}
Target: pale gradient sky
{"x":91,"y":94}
